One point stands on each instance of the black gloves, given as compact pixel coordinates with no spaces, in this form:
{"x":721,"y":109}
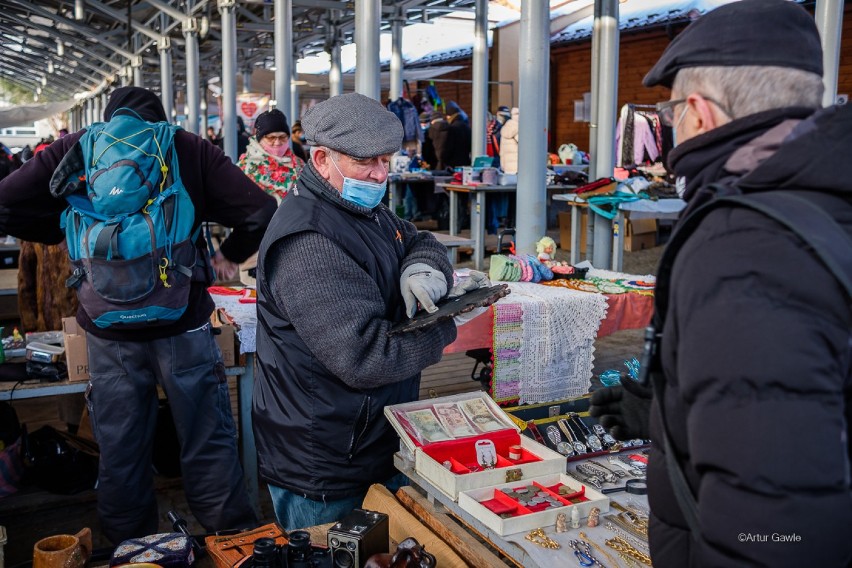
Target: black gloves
{"x":624,"y":410}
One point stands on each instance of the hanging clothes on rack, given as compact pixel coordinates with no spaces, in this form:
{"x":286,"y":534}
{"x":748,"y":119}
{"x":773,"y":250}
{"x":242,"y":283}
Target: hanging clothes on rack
{"x":638,"y":136}
{"x":408,"y":116}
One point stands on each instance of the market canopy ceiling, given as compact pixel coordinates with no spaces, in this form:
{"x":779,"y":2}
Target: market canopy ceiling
{"x":53,"y":49}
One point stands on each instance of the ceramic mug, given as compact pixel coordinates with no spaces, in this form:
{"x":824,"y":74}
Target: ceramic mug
{"x":63,"y":550}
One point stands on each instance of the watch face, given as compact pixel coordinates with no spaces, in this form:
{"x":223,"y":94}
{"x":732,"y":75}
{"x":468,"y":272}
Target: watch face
{"x":580,"y":447}
{"x":608,"y":440}
{"x":594,"y":443}
{"x":565,"y":449}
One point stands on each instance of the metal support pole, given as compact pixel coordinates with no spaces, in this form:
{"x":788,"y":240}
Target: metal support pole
{"x":829,"y":21}
{"x":203,"y":108}
{"x":607,"y":98}
{"x":293,"y":111}
{"x":335,"y":78}
{"x":228,"y":101}
{"x":167,"y":95}
{"x":138,"y":77}
{"x":190,"y":34}
{"x":534,"y":76}
{"x":395,"y":90}
{"x":79,"y":10}
{"x":246,"y":79}
{"x":479,"y":105}
{"x":283,"y":53}
{"x":368,"y":17}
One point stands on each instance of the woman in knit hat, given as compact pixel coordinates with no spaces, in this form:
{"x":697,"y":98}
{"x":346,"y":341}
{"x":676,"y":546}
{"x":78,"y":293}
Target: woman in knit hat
{"x":269,"y":160}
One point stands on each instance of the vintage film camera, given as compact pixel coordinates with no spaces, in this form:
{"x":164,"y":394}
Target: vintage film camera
{"x":297,"y":553}
{"x":357,"y":537}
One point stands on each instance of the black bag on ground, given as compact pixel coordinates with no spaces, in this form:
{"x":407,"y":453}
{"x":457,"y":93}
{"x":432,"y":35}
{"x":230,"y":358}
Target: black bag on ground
{"x":59,"y":462}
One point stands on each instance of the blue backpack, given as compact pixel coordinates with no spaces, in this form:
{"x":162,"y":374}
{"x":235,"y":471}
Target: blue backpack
{"x":129,"y":224}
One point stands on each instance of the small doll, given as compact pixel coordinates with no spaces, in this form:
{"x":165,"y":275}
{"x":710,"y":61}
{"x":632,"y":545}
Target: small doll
{"x":561,"y":523}
{"x":594,"y":517}
{"x":545,"y":248}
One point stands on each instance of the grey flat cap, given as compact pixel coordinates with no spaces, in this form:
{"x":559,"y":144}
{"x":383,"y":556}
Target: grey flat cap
{"x":353,"y":124}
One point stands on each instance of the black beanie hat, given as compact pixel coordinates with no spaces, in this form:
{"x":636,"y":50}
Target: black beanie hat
{"x":750,"y":32}
{"x":269,"y":122}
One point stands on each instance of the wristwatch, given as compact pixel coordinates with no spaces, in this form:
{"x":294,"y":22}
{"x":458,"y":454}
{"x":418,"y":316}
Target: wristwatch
{"x":592,"y":441}
{"x":606,"y":438}
{"x":565,"y":426}
{"x":555,"y":437}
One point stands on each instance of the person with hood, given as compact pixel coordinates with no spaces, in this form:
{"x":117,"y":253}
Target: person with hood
{"x":242,"y":136}
{"x":435,"y":142}
{"x":127,"y":365}
{"x":457,"y":151}
{"x":297,"y":141}
{"x":269,"y":160}
{"x":752,"y":390}
{"x":326,"y":364}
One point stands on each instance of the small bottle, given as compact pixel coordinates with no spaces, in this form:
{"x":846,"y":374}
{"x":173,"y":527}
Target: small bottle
{"x":575,"y":518}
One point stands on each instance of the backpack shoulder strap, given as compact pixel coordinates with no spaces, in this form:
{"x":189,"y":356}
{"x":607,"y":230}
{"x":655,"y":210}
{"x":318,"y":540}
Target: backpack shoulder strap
{"x":810,"y":222}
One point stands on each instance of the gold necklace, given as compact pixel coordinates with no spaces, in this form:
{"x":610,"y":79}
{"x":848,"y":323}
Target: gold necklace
{"x":538,"y":537}
{"x":619,"y":544}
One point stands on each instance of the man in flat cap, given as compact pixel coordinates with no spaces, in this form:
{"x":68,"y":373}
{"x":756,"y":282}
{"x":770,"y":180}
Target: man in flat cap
{"x":752,"y":379}
{"x":336,"y":270}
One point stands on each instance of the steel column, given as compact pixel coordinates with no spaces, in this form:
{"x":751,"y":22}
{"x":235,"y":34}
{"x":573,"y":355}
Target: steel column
{"x":829,"y":21}
{"x":395,"y":90}
{"x":190,"y":34}
{"x":368,"y":18}
{"x":533,"y":76}
{"x":283,"y":53}
{"x":607,"y":100}
{"x":228,"y":101}
{"x":479,"y":106}
{"x":167,"y":95}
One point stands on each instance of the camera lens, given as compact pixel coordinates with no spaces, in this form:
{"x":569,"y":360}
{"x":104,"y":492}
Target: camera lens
{"x":263,"y":555}
{"x":335,"y":542}
{"x":299,"y":549}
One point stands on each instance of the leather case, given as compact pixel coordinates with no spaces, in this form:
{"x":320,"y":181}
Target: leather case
{"x":228,"y":551}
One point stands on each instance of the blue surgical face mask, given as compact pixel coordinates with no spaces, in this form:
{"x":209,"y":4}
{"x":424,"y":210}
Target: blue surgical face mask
{"x":364,"y":193}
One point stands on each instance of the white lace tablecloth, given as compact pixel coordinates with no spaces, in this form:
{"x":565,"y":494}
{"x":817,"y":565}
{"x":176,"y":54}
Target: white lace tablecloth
{"x":244,"y":317}
{"x":544,"y":342}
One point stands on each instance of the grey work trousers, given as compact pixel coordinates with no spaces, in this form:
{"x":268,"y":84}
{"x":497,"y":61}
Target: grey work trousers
{"x":122,"y":399}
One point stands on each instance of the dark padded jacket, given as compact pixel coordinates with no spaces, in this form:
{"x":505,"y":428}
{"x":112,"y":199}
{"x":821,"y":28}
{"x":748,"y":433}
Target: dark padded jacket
{"x":220,"y":193}
{"x":757,"y":357}
{"x":328,"y":277}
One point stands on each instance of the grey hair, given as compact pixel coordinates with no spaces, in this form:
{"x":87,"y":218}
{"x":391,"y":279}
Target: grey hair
{"x":750,"y":89}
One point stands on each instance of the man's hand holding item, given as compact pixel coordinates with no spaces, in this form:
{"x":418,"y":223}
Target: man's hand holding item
{"x":474,"y":281}
{"x":422,"y":283}
{"x":624,"y":410}
{"x":225,"y":269}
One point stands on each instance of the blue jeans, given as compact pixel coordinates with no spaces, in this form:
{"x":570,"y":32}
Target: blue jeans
{"x":293,"y":511}
{"x":122,"y":398}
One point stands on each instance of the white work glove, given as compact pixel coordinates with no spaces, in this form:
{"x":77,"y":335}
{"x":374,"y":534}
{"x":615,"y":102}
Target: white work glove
{"x":474,"y":282}
{"x":422,"y":283}
{"x":465,"y":317}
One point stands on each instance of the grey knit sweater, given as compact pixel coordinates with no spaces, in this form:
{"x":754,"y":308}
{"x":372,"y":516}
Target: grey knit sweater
{"x":338,"y":309}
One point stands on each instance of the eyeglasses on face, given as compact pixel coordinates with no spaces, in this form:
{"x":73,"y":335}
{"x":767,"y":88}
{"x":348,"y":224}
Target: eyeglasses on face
{"x":273,"y":138}
{"x":666,"y":110}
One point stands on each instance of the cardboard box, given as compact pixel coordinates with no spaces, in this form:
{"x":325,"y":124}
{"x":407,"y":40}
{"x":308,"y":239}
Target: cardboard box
{"x":226,"y":339}
{"x":471,"y":501}
{"x":565,"y":230}
{"x":459,"y":452}
{"x":640,"y":234}
{"x":76,"y":352}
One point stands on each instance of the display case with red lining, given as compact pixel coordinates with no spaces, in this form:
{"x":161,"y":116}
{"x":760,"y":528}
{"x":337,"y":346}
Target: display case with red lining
{"x":449,"y":462}
{"x":487,"y":504}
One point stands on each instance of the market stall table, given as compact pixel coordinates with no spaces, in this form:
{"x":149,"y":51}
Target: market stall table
{"x":477,"y":212}
{"x":640,"y":209}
